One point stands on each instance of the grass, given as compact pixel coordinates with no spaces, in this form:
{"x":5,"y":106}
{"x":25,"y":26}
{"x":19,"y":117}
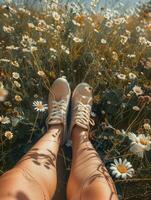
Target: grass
{"x":110,"y":53}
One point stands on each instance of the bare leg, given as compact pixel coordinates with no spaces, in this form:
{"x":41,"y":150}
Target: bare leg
{"x":89,"y":179}
{"x":34,"y":177}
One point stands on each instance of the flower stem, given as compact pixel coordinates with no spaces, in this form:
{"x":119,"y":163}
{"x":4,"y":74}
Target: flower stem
{"x":31,"y":135}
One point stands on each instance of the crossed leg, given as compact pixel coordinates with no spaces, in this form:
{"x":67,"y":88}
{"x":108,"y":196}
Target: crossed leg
{"x":34,"y":177}
{"x":89,"y":179}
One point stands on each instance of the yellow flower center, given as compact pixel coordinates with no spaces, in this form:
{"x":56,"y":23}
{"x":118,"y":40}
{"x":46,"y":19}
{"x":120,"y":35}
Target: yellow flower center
{"x":40,"y":106}
{"x":143,"y":141}
{"x":79,"y":19}
{"x":122,"y":169}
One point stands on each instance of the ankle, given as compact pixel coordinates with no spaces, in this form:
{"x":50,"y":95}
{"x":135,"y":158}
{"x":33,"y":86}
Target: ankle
{"x":55,"y":127}
{"x":78,"y":131}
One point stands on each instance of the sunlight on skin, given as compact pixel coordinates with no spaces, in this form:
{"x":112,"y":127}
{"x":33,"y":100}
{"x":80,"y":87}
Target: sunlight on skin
{"x":36,"y":170}
{"x":88,"y":173}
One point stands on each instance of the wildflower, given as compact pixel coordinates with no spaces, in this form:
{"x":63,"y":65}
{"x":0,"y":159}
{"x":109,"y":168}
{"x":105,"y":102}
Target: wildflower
{"x":6,"y":15}
{"x":12,"y":47}
{"x":41,"y":40}
{"x":128,"y":33}
{"x":96,"y":30}
{"x":122,"y":132}
{"x":138,"y":90}
{"x":4,"y":60}
{"x":56,"y":16}
{"x":17,"y":84}
{"x":23,"y":10}
{"x":15,"y":75}
{"x":138,"y":29}
{"x":124,"y":39}
{"x":131,"y":56}
{"x":41,"y":73}
{"x":18,"y":98}
{"x":27,"y":41}
{"x":53,"y":50}
{"x":25,"y":50}
{"x":65,"y":49}
{"x":148,"y":64}
{"x":78,"y":20}
{"x":119,"y":21}
{"x":121,"y":76}
{"x":31,"y":25}
{"x":148,"y":43}
{"x":8,"y":29}
{"x":33,"y":48}
{"x":59,"y":28}
{"x":93,"y":114}
{"x":15,"y":63}
{"x":108,"y":102}
{"x":42,"y":26}
{"x":142,"y":40}
{"x":4,"y":120}
{"x":94,"y":3}
{"x":77,"y":40}
{"x":132,"y":76}
{"x":39,"y":106}
{"x":136,"y":108}
{"x":122,"y":169}
{"x":109,"y":24}
{"x":3,"y":92}
{"x":139,"y":144}
{"x":114,"y":55}
{"x":8,"y":135}
{"x":53,"y":6}
{"x":103,"y":41}
{"x":147,"y":126}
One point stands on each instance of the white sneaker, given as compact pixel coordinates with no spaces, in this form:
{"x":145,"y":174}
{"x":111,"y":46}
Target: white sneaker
{"x":58,"y":103}
{"x":81,"y":106}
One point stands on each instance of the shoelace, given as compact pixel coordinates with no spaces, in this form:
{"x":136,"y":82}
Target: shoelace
{"x":58,"y":110}
{"x":83,"y":114}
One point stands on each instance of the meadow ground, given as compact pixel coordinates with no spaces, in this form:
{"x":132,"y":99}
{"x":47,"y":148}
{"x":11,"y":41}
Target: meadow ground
{"x":109,"y":51}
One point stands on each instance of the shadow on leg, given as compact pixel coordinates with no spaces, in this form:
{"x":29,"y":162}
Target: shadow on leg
{"x":89,"y":179}
{"x":34,"y":176}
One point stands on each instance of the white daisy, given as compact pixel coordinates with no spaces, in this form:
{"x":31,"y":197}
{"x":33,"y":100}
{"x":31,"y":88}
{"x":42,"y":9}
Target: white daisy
{"x":122,"y":169}
{"x":39,"y":106}
{"x":56,"y":16}
{"x":147,"y":126}
{"x":132,"y":76}
{"x":53,"y":50}
{"x":77,"y":40}
{"x":65,"y":49}
{"x":103,"y":41}
{"x":41,"y":73}
{"x":138,"y":90}
{"x":15,"y":75}
{"x":9,"y":135}
{"x":139,"y":144}
{"x":4,"y":120}
{"x":136,"y":108}
{"x":121,"y":76}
